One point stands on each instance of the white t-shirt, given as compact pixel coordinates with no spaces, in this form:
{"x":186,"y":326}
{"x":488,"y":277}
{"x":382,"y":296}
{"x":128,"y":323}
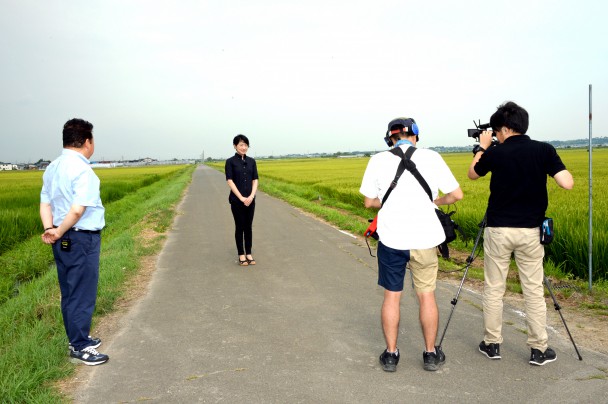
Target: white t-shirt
{"x":408,"y":220}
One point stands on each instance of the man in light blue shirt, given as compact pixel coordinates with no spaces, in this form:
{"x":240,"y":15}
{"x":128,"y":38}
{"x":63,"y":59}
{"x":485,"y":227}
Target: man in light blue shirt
{"x":72,"y":215}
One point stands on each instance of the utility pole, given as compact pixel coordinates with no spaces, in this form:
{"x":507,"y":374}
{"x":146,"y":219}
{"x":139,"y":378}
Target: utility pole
{"x":590,"y":199}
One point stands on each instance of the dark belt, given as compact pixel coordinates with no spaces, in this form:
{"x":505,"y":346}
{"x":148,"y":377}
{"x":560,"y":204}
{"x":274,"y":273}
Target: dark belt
{"x":86,"y":231}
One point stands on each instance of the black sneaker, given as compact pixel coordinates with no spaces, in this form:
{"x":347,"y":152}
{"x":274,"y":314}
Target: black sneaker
{"x":89,"y":356}
{"x":433,"y":360}
{"x":389,"y":361}
{"x":539,"y":358}
{"x":492,"y":351}
{"x":95,"y":343}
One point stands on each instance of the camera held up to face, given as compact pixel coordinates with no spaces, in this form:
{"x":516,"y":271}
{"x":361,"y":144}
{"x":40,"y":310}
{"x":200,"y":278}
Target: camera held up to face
{"x":479,"y":129}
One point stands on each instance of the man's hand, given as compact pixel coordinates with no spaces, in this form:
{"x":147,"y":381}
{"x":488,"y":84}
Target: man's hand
{"x":485,"y":139}
{"x":372,"y":202}
{"x":50,"y":236}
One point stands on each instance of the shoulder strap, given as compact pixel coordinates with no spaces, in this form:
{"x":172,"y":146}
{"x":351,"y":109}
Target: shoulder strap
{"x":409,"y":152}
{"x":397,"y":152}
{"x":411,"y":167}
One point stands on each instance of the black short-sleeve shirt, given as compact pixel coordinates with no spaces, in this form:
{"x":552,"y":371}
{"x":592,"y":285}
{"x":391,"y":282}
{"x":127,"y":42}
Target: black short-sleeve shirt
{"x":242,"y":171}
{"x":518,"y":187}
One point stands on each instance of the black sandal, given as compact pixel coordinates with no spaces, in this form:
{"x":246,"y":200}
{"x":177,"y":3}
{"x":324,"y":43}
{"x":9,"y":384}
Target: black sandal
{"x":244,"y":262}
{"x":250,"y":261}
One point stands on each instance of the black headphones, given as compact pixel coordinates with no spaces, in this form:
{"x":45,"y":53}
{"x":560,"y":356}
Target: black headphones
{"x":409,"y":126}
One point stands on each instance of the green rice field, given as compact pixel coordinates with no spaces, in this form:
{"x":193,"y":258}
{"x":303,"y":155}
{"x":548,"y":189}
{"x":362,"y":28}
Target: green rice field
{"x":20,"y":218}
{"x":335,"y":182}
{"x":20,"y":197}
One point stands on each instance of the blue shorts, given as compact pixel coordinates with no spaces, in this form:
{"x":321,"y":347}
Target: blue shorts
{"x":391,"y":267}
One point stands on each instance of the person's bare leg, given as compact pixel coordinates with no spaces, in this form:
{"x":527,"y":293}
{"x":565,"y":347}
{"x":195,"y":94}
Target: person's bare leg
{"x":429,"y":319}
{"x":390,"y":318}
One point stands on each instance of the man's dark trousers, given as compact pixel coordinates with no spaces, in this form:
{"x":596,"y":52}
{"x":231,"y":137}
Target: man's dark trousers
{"x":78,"y":273}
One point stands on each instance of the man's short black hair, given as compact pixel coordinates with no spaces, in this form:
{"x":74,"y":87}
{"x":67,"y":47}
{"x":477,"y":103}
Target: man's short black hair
{"x":511,"y":116}
{"x":76,"y":132}
{"x":240,"y":138}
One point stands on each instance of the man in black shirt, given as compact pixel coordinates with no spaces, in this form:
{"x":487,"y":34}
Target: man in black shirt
{"x":516,"y":210}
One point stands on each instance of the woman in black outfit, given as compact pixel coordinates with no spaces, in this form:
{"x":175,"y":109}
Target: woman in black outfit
{"x":242,"y":177}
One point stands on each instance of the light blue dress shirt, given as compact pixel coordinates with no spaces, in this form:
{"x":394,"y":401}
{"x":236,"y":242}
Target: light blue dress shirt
{"x":70,"y":180}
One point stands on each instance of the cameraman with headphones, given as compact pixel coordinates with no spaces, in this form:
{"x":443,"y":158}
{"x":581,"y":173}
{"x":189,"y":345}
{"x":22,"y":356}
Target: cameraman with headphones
{"x":409,"y":231}
{"x":516,"y":210}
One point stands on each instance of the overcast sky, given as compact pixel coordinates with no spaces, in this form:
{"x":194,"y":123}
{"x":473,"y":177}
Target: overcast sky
{"x":176,"y":79}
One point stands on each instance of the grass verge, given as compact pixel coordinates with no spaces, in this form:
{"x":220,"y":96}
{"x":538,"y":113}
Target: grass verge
{"x":33,"y":346}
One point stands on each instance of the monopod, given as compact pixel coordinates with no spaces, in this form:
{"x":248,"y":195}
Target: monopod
{"x":470,"y":259}
{"x":557,"y":307}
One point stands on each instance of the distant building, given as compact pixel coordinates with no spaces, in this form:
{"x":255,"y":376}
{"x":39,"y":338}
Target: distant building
{"x":8,"y":167}
{"x":350,"y":156}
{"x":105,"y":165}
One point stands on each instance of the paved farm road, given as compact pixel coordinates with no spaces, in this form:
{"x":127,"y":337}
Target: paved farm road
{"x":303,"y":325}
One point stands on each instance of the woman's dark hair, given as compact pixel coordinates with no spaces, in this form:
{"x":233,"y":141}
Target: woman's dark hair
{"x":76,"y":132}
{"x":512,"y":116}
{"x":240,"y":138}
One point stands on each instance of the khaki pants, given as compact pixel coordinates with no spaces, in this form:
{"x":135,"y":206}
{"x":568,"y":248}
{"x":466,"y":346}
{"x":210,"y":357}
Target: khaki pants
{"x":424,"y":265}
{"x":498,"y":244}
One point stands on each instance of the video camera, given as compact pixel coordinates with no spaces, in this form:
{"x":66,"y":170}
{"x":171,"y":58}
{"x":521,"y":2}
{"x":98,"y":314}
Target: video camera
{"x":475,"y":133}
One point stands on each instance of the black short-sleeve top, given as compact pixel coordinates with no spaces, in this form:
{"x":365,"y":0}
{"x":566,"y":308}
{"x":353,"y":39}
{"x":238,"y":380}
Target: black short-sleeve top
{"x":518,"y":186}
{"x":242,"y":170}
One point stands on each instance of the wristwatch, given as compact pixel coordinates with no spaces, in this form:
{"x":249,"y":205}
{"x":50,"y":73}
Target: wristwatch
{"x":478,"y":149}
